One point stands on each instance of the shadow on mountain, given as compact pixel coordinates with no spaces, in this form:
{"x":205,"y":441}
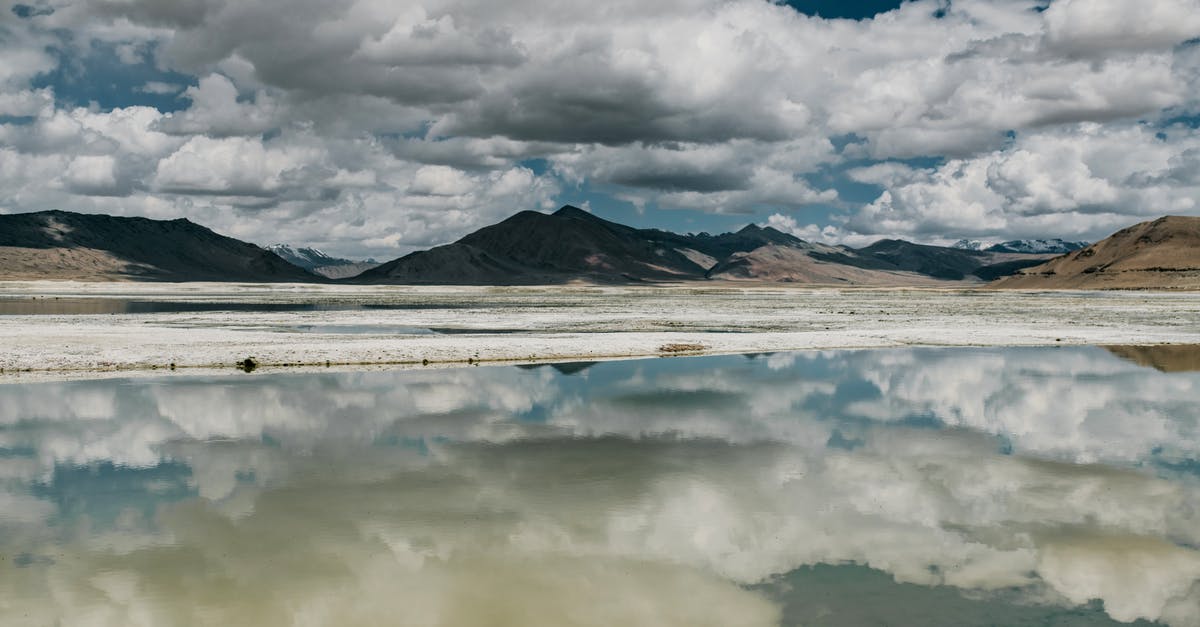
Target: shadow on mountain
{"x":65,"y":245}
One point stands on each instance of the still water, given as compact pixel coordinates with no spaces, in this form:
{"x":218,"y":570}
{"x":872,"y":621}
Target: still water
{"x":67,"y":306}
{"x":931,"y":487}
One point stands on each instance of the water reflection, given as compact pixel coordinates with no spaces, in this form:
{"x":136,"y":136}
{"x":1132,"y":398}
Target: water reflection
{"x":1165,"y":358}
{"x":923,"y":487}
{"x":67,"y":306}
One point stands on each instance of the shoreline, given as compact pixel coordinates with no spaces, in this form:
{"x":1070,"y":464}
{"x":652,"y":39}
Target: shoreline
{"x":445,"y":327}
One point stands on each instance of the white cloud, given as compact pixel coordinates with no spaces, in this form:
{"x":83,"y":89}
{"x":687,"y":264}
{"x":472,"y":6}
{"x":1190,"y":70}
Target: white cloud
{"x":1083,"y":182}
{"x":160,"y":88}
{"x":233,"y":166}
{"x":699,"y":104}
{"x":216,"y":111}
{"x":1098,"y":27}
{"x":92,"y":175}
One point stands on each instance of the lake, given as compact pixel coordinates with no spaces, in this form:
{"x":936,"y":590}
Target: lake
{"x":931,"y":487}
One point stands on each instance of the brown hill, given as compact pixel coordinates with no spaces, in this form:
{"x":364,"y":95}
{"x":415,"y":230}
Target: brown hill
{"x":1162,"y":254}
{"x":65,"y":245}
{"x":787,"y":264}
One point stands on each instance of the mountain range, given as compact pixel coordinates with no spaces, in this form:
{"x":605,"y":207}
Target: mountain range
{"x":573,"y":245}
{"x":1028,"y":246}
{"x":318,"y":262}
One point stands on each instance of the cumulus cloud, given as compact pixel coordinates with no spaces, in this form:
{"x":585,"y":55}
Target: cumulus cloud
{"x":744,"y":106}
{"x":216,"y":111}
{"x":1084,"y":181}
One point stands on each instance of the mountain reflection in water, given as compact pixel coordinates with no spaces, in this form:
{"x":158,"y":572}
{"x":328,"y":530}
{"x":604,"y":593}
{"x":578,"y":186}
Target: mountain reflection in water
{"x":1054,"y":486}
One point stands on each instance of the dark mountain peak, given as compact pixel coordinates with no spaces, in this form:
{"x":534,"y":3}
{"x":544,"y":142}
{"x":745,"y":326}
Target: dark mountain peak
{"x":571,"y":211}
{"x":767,"y":235}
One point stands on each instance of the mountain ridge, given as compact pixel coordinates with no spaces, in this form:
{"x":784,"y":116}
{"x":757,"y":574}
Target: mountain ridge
{"x":1056,"y":246}
{"x":67,"y":245}
{"x":572,"y":244}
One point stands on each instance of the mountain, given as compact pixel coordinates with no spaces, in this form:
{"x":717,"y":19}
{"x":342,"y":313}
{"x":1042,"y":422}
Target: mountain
{"x":1161,"y":254}
{"x":528,"y":248}
{"x":65,"y":245}
{"x":1023,"y":246}
{"x":1037,"y":246}
{"x":570,"y":244}
{"x":791,"y":264}
{"x":938,"y":262}
{"x":318,"y":262}
{"x":307,"y":258}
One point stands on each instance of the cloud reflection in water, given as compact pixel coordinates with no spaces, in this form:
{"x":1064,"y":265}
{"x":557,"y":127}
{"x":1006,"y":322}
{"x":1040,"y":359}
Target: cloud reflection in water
{"x":682,"y":491}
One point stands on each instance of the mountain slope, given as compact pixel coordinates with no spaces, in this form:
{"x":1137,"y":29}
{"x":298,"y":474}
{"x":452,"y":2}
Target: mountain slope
{"x":777,"y":263}
{"x":65,"y":245}
{"x":570,"y":244}
{"x":1161,"y":254}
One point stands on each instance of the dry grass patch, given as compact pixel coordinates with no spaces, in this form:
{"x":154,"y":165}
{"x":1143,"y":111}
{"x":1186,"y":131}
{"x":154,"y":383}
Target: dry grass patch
{"x":681,"y":348}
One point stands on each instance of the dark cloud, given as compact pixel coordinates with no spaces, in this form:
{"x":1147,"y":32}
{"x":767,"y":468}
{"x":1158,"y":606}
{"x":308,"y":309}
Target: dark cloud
{"x":170,"y":13}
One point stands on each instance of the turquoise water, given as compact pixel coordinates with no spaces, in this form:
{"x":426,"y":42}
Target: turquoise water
{"x":1035,"y":486}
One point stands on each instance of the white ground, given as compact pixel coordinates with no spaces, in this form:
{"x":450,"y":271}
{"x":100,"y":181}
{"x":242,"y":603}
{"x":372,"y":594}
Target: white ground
{"x":554,"y":324}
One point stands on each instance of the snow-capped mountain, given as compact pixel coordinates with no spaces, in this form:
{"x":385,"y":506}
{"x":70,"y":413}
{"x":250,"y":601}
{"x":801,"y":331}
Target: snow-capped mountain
{"x":307,"y":258}
{"x":314,"y":260}
{"x":1037,"y":246}
{"x":1026,"y":246}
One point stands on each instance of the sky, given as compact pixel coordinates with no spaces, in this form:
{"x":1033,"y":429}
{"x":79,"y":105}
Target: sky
{"x":374,"y":128}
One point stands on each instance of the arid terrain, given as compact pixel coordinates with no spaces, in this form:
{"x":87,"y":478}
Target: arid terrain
{"x":68,"y":330}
